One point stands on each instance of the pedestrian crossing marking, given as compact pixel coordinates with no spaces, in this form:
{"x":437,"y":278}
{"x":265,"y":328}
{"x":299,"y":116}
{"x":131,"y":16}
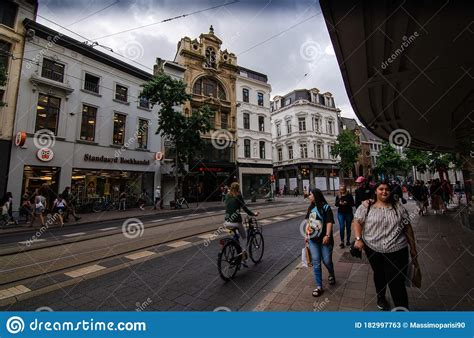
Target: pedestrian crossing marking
{"x":107,"y":229}
{"x":29,"y":242}
{"x":278,"y":218}
{"x":292,"y":215}
{"x":75,"y":234}
{"x":13,"y":291}
{"x":178,"y":244}
{"x":264,"y":221}
{"x":301,"y":213}
{"x":140,"y":254}
{"x":206,"y":236}
{"x":84,"y":271}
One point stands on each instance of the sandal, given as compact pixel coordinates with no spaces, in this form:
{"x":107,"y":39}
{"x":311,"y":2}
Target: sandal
{"x":317,"y":292}
{"x":332,"y":280}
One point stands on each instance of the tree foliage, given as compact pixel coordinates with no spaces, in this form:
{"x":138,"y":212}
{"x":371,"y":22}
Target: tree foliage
{"x":347,"y":149}
{"x":184,"y":132}
{"x":390,"y":162}
{"x":420,"y":159}
{"x":3,"y":82}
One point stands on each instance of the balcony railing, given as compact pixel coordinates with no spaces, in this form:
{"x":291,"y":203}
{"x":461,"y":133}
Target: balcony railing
{"x":52,"y":75}
{"x":92,"y":86}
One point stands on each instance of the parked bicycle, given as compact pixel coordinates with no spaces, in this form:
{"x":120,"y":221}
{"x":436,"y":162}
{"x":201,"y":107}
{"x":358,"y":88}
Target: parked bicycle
{"x":180,"y":202}
{"x":229,"y":259}
{"x":104,"y":205}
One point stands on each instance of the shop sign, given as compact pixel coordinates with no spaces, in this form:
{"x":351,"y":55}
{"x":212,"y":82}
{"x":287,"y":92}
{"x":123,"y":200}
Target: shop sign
{"x":20,"y":139}
{"x":45,"y":154}
{"x":211,"y":169}
{"x":159,"y":156}
{"x":121,"y":160}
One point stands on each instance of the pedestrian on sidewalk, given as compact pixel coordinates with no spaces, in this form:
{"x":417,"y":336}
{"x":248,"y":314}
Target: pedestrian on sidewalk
{"x":142,"y":200}
{"x":344,"y":203}
{"x":157,"y":198}
{"x":122,"y":200}
{"x":233,"y":220}
{"x":40,"y":205}
{"x":383,"y":229}
{"x":436,"y":197}
{"x":70,"y":209}
{"x":319,"y":237}
{"x":59,"y":207}
{"x":363,"y":192}
{"x":26,"y":208}
{"x":418,"y":195}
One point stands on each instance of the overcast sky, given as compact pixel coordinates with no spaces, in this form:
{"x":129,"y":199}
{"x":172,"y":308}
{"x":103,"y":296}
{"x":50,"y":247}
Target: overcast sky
{"x":300,"y":57}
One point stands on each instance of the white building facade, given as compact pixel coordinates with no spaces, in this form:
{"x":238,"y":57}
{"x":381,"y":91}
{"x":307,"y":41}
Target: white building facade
{"x":80,"y":123}
{"x":304,"y":130}
{"x":254,"y":135}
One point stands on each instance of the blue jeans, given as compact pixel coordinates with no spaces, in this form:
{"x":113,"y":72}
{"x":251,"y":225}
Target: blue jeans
{"x":321,"y":252}
{"x":345,"y":221}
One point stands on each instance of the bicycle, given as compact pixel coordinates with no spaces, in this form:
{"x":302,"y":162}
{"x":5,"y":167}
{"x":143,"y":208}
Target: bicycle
{"x":104,"y":205}
{"x":229,"y":259}
{"x":179,"y":203}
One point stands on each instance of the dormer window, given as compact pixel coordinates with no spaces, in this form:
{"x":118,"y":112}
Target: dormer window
{"x":210,"y":57}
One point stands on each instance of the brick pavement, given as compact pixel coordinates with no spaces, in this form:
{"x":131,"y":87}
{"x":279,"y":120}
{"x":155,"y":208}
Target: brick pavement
{"x":446,"y":259}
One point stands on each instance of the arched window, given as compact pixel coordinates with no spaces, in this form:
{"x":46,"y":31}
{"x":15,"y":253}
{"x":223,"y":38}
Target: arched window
{"x":208,"y":86}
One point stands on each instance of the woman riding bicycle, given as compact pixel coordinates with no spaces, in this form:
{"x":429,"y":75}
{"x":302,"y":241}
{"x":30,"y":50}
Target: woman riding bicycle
{"x":233,"y":220}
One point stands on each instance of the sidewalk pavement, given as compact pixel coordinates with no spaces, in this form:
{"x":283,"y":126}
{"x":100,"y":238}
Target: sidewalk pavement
{"x":445,"y":255}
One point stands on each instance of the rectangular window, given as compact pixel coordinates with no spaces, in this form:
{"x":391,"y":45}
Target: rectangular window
{"x":245,"y":95}
{"x":119,"y":128}
{"x":319,"y":150}
{"x":91,"y":83}
{"x":303,"y":150}
{"x":212,"y":120}
{"x":143,"y":103}
{"x":316,"y":124}
{"x":330,"y":127}
{"x":8,"y":11}
{"x":142,"y":134}
{"x":262,"y":150}
{"x":302,"y":124}
{"x":290,"y":152}
{"x":260,"y":99}
{"x":261,"y":123}
{"x":321,"y":99}
{"x":47,"y":113}
{"x":278,"y":129}
{"x":280,"y":154}
{"x":288,"y":127}
{"x":224,"y":121}
{"x":89,"y":118}
{"x":246,"y":121}
{"x":247,"y":148}
{"x":288,"y":101}
{"x":330,"y":155}
{"x":5,"y":50}
{"x":121,"y":93}
{"x":52,"y":70}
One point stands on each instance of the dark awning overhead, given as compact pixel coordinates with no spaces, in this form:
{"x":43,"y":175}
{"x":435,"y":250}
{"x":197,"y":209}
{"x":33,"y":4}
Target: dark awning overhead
{"x":408,"y":65}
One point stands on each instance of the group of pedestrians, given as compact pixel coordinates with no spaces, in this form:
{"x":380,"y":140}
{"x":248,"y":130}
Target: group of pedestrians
{"x":381,"y":227}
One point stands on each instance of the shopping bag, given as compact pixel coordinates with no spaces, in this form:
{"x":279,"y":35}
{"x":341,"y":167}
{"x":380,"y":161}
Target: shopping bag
{"x":416,"y":278}
{"x":306,"y":257}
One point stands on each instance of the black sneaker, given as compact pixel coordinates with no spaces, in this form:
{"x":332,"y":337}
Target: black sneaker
{"x":348,"y":243}
{"x":341,"y":245}
{"x":382,"y":304}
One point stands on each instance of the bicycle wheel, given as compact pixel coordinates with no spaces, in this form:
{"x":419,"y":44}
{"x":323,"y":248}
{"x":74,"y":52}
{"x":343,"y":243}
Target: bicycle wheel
{"x":228,"y":260}
{"x":256,"y":247}
{"x":97,"y":206}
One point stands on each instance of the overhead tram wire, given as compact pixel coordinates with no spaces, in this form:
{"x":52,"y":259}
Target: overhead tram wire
{"x":101,"y":10}
{"x":278,"y":34}
{"x":167,"y":20}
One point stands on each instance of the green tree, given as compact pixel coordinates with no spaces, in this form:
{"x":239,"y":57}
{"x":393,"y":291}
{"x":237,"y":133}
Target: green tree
{"x":3,"y":82}
{"x":347,"y":149}
{"x":390,"y":162}
{"x":183,"y":132}
{"x":420,"y":159}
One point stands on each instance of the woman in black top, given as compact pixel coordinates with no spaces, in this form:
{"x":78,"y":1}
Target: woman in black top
{"x":319,"y":237}
{"x":344,"y":202}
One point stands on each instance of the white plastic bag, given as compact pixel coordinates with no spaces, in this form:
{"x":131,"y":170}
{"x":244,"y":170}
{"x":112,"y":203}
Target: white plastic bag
{"x":304,"y":258}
